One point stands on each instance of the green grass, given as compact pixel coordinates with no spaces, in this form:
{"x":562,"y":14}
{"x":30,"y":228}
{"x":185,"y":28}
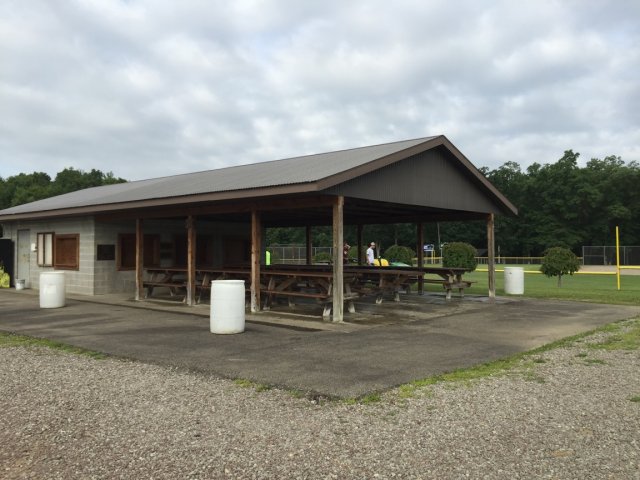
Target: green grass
{"x":620,"y":340}
{"x":635,"y":398}
{"x":259,"y":387}
{"x":12,"y":340}
{"x":588,"y":288}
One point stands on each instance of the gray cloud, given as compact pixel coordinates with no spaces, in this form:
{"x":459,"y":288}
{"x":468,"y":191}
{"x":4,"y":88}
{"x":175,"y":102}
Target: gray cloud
{"x":147,"y":88}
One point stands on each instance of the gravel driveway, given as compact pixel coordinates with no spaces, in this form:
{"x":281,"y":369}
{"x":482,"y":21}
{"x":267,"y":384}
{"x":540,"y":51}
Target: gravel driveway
{"x":572,"y":412}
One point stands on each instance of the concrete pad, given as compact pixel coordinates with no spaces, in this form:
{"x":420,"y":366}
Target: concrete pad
{"x":405,"y":341}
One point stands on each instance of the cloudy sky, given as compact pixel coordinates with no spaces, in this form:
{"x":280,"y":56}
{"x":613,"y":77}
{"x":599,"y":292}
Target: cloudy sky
{"x":147,"y":88}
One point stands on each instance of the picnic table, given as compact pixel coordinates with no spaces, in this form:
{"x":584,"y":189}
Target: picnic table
{"x":311,"y":281}
{"x":173,"y":278}
{"x":450,"y":278}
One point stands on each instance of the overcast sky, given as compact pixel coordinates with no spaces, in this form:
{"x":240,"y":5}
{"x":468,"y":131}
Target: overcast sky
{"x":157,"y":87}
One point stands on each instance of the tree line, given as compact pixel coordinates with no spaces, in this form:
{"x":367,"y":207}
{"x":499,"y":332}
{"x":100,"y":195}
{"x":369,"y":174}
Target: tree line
{"x":29,"y":187}
{"x":559,"y":204}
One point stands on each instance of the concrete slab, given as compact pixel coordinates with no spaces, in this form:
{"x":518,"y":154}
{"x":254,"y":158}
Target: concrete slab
{"x":419,"y":337}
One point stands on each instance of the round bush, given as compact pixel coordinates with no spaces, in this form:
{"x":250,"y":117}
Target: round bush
{"x":559,"y":261}
{"x":398,"y":253}
{"x":459,"y":255}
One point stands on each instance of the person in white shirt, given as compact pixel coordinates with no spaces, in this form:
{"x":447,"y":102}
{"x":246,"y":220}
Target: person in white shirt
{"x":371,"y":255}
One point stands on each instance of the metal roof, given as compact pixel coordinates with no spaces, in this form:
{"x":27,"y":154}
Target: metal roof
{"x":297,"y":170}
{"x":306,"y":174}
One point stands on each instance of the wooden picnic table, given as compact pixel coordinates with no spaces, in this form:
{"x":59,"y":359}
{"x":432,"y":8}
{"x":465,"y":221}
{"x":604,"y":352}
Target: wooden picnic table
{"x":173,"y":278}
{"x":450,"y":278}
{"x":316,"y":284}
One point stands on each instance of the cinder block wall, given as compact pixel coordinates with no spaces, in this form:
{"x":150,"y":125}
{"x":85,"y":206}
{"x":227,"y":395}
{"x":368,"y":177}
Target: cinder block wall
{"x":76,"y":281}
{"x":108,"y":279}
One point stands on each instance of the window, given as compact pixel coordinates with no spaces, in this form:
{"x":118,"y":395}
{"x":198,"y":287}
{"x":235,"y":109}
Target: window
{"x":126,"y":251}
{"x":126,"y":258}
{"x":67,"y":251}
{"x":45,"y":249}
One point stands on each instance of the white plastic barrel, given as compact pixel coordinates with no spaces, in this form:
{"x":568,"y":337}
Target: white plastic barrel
{"x":513,"y":280}
{"x":52,"y":290}
{"x":227,"y":306}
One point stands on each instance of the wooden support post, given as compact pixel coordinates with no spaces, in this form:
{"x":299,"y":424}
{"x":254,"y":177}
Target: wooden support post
{"x":191,"y":260}
{"x":338,"y":268}
{"x":491,"y":256}
{"x":420,"y":252}
{"x":309,"y":245}
{"x":359,"y":234}
{"x":139,"y":260}
{"x":256,"y":244}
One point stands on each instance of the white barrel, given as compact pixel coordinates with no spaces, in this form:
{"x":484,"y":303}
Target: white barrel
{"x":52,"y":290}
{"x":20,"y":283}
{"x":513,"y":280}
{"x":227,"y":306}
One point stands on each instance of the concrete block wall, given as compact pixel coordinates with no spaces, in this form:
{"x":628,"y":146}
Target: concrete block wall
{"x":108,"y":279}
{"x":76,"y":281}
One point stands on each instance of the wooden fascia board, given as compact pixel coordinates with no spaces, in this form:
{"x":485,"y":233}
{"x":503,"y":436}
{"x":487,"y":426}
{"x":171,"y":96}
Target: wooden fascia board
{"x":266,"y":205}
{"x":113,"y":208}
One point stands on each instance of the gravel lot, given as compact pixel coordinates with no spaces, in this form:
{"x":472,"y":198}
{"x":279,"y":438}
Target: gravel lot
{"x":567,"y":413}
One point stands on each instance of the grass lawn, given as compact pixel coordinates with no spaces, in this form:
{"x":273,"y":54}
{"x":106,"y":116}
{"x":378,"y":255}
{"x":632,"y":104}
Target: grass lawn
{"x":589,"y":288}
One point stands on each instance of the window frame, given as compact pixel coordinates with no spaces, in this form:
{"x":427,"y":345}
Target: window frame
{"x":44,"y":240}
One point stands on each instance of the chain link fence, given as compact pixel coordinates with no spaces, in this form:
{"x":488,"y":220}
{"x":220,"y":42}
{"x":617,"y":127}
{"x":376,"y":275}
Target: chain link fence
{"x":295,"y":254}
{"x":606,"y":255}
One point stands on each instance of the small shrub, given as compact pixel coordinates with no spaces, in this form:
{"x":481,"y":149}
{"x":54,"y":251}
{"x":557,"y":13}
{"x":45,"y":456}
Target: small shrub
{"x":322,"y":257}
{"x":398,"y":253}
{"x":559,"y":261}
{"x":459,"y":255}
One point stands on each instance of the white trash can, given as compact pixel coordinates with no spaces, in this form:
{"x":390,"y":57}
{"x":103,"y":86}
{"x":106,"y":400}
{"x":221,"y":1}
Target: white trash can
{"x":514,"y":280}
{"x":52,"y":289}
{"x":20,"y":283}
{"x":227,"y":306}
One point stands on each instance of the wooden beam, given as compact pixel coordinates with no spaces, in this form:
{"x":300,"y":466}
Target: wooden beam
{"x":139,"y":260}
{"x":420,"y":252}
{"x":491,"y":256}
{"x":256,"y":245}
{"x":191,"y":260}
{"x":309,"y":244}
{"x":338,"y":270}
{"x":223,"y":208}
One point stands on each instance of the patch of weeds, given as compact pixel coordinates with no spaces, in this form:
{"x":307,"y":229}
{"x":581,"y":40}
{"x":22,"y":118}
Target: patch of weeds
{"x":635,"y":398}
{"x":368,"y":399}
{"x":594,"y":361}
{"x":13,"y":340}
{"x":259,"y":387}
{"x":581,"y":355}
{"x":297,"y":393}
{"x":407,"y":391}
{"x":243,"y":382}
{"x":622,"y":340}
{"x":539,"y":360}
{"x":530,"y":376}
